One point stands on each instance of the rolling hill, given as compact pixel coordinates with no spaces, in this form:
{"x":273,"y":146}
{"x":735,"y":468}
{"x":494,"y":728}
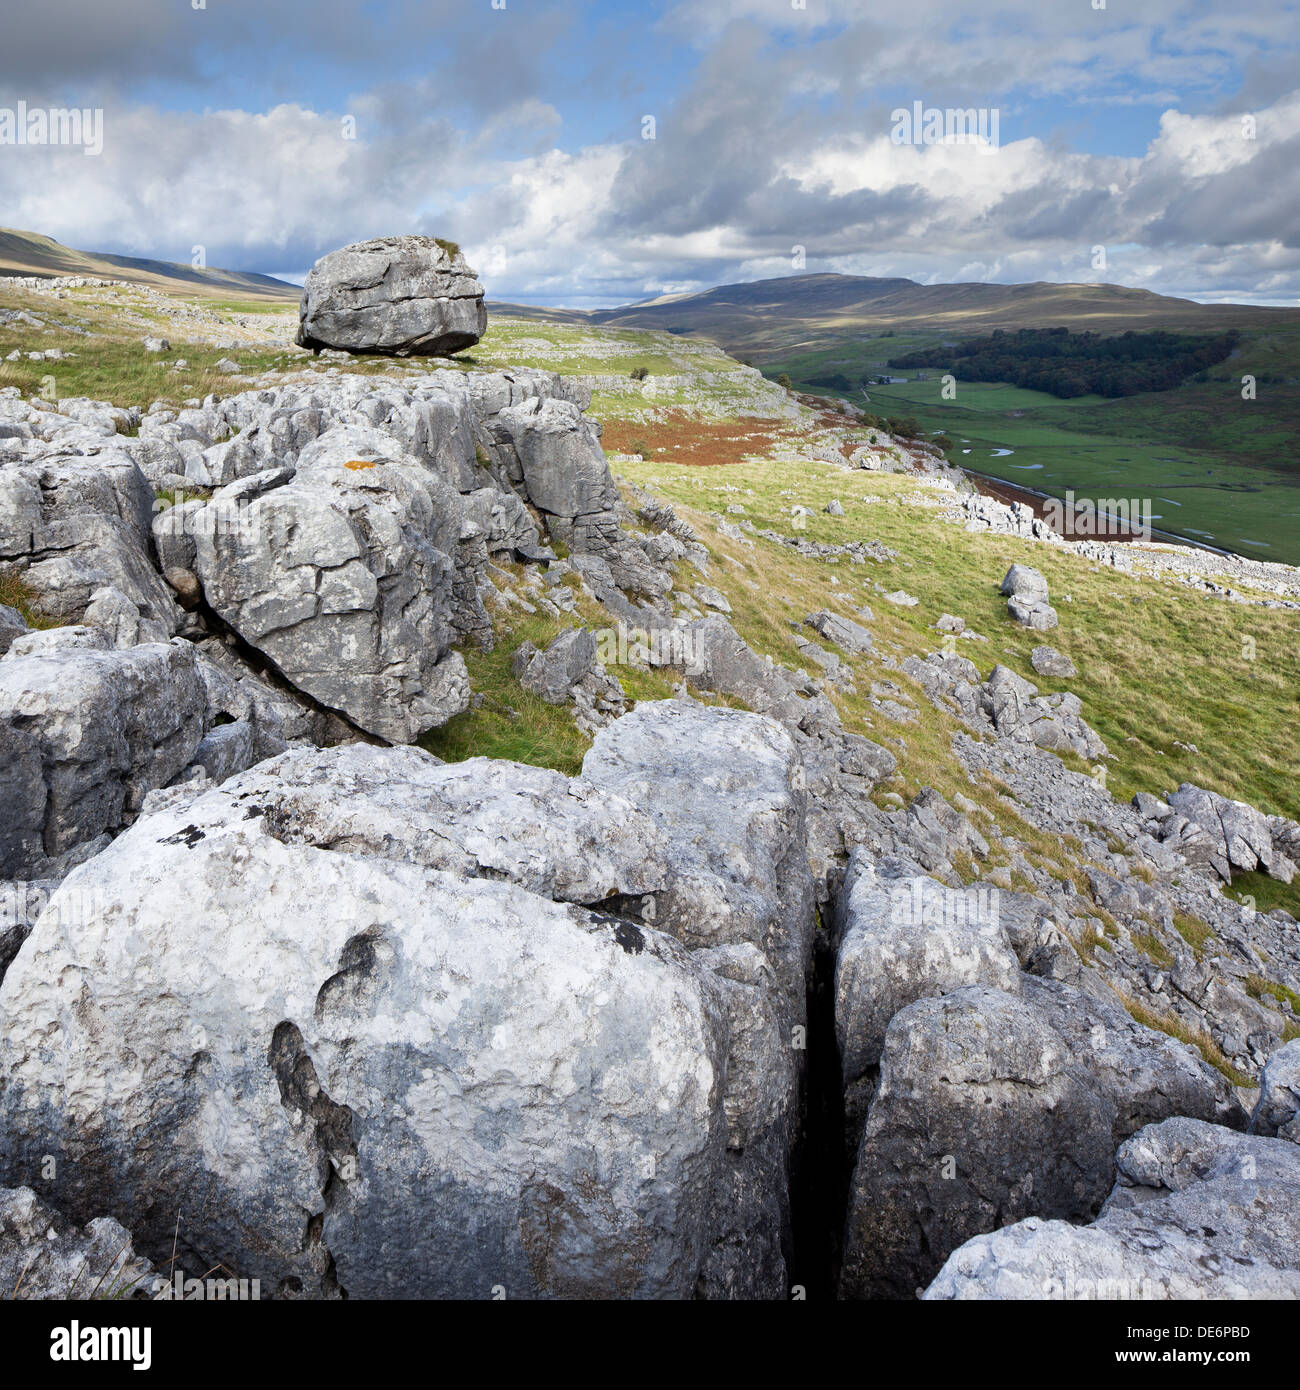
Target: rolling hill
{"x":770,"y":318}
{"x":29,"y":253}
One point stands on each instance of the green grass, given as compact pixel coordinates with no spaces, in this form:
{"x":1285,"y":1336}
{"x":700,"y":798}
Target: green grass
{"x":1166,"y":670}
{"x":1176,"y":1028}
{"x":112,"y":365}
{"x":590,"y":352}
{"x":242,"y":306}
{"x":1194,"y":932}
{"x":1089,"y":943}
{"x":1267,"y":892}
{"x":1216,"y":467}
{"x":510,"y":722}
{"x":1153,"y":949}
{"x":14,"y":593}
{"x":1260,"y":988}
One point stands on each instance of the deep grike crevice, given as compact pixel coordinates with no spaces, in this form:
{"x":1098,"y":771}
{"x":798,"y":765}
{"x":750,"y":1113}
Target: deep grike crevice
{"x":820,"y":1176}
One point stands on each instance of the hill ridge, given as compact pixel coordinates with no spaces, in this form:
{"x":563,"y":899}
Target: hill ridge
{"x":25,"y":253}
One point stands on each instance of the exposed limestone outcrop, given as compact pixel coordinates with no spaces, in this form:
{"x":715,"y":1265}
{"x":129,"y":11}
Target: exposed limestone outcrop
{"x":1197,"y":1212}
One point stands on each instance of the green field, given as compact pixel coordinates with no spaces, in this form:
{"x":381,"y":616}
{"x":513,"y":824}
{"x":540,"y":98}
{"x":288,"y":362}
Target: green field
{"x":1216,"y":467}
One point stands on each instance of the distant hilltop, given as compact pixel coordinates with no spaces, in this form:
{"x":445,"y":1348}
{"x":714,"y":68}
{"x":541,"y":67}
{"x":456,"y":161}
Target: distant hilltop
{"x":763,"y":313}
{"x":30,"y":253}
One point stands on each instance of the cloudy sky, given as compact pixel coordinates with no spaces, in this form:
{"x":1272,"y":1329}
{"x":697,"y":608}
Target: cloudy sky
{"x":271,"y":131}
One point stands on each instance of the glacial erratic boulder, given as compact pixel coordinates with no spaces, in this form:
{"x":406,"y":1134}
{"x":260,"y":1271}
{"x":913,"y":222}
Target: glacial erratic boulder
{"x":1027,"y":604}
{"x":1047,"y":661}
{"x":399,"y":296}
{"x":1040,"y":617}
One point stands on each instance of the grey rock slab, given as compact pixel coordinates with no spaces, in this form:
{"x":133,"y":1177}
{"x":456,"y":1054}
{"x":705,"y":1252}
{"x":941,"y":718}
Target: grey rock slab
{"x":1277,"y":1112}
{"x":1197,"y":1212}
{"x":1025,"y":582}
{"x":554,"y":672}
{"x":726,"y":789}
{"x":564,"y":469}
{"x":844,"y":632}
{"x":347,"y":1068}
{"x":86,"y":734}
{"x":992,"y":1107}
{"x":336,"y":577}
{"x":904,"y":936}
{"x":12,"y":625}
{"x":1047,"y":661}
{"x":43,"y":1256}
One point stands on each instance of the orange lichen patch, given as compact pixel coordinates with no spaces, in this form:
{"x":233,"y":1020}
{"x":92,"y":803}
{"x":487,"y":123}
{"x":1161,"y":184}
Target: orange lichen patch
{"x":360,"y":463}
{"x":681,"y":438}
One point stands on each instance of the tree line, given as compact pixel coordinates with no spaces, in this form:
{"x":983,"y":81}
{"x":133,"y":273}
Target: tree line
{"x":1066,"y":364}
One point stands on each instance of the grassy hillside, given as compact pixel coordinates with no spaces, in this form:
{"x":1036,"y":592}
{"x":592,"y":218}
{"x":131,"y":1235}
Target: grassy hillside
{"x":29,"y":253}
{"x":1162,"y":674}
{"x":1160,"y":665}
{"x":1218,"y":468}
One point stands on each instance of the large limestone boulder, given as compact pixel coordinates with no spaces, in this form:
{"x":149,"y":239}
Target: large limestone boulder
{"x":340,"y":575}
{"x":992,"y":1107}
{"x":903,"y":936}
{"x":85,"y":733}
{"x":1197,"y":1212}
{"x":376,"y":1024}
{"x":349,"y":1070}
{"x":401,"y":296}
{"x":1032,"y":613}
{"x":1026,"y":591}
